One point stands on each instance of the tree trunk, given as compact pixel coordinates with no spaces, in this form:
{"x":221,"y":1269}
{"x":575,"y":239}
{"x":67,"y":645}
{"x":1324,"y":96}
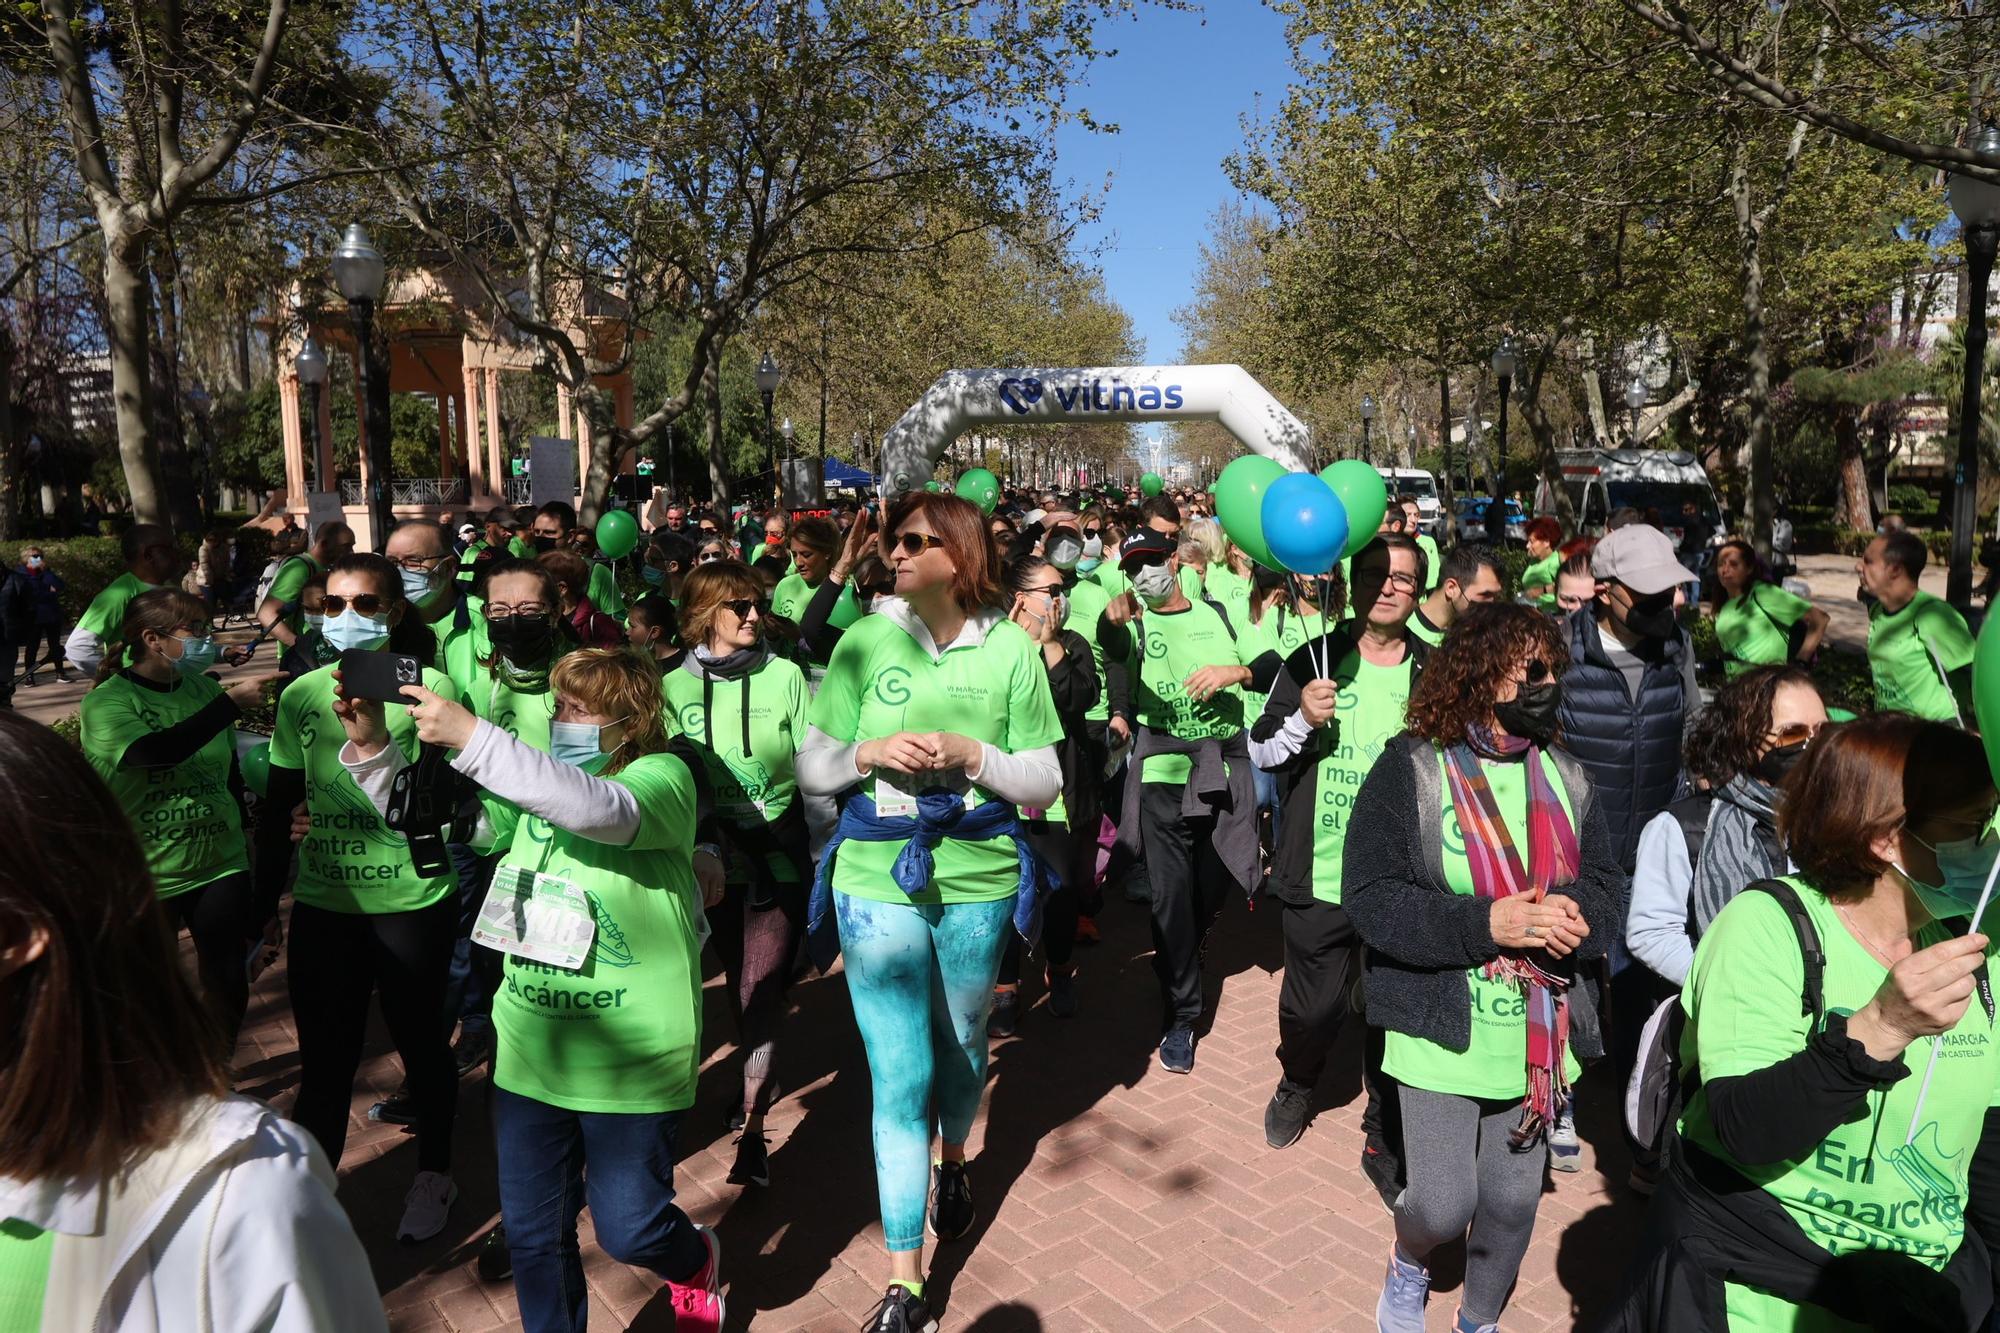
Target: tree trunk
{"x":185,"y":480}
{"x":10,"y":447}
{"x":1537,"y":420}
{"x":127,"y":329}
{"x":594,"y":405}
{"x":1756,"y":353}
{"x":1851,"y":510}
{"x":1593,"y":392}
{"x":711,"y":397}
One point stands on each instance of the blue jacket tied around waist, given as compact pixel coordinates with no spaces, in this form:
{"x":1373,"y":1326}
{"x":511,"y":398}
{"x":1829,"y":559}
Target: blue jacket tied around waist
{"x":940,"y":814}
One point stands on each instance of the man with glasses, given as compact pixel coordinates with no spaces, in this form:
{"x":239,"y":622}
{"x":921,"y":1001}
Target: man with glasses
{"x":1337,"y":702}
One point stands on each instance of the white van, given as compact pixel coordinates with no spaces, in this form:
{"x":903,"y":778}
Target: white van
{"x":1656,"y":482}
{"x":1417,"y":482}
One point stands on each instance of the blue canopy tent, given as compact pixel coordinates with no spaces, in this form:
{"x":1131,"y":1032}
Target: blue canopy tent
{"x":845,"y":476}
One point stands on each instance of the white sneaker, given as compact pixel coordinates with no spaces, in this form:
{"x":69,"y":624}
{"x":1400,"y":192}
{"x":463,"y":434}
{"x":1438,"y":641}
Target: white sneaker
{"x":426,"y":1206}
{"x":1565,"y":1152}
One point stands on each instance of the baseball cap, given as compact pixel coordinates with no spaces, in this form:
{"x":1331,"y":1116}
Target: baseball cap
{"x":1641,"y":557}
{"x":1144,"y":545}
{"x":467,"y":531}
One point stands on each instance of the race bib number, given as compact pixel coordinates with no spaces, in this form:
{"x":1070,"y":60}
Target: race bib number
{"x":892,"y":801}
{"x":537,"y":917}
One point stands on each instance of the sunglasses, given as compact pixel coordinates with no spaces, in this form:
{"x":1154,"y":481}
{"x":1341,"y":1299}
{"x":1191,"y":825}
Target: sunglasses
{"x":743,"y":606}
{"x":367,"y":604}
{"x":1538,"y":673}
{"x":916,"y":543}
{"x":706,"y":556}
{"x":1796,"y":732}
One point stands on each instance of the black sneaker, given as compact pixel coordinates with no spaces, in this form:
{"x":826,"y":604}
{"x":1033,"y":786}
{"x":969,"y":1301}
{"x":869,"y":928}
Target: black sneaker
{"x":951,"y":1202}
{"x":901,"y":1311}
{"x":473,"y":1048}
{"x":753,"y":1160}
{"x":1286,"y":1115}
{"x":1384,"y":1171}
{"x":399,"y":1108}
{"x":1006,"y":1015}
{"x":1177,"y":1051}
{"x":1062,"y":994}
{"x":495,"y":1262}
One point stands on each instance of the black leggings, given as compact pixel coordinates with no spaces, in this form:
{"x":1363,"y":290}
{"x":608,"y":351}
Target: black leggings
{"x":336,"y":961}
{"x":217,"y":916}
{"x":756,"y":949}
{"x":52,"y":636}
{"x":1073,"y":853}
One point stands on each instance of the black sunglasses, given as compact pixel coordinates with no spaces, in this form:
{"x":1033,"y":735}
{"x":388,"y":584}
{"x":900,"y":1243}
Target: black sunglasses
{"x":916,"y":543}
{"x":368,"y":604}
{"x":1539,"y":672}
{"x":743,"y":606}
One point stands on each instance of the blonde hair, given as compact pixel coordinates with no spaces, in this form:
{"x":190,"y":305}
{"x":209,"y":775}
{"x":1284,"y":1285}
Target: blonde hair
{"x":1205,"y":533}
{"x":707,"y":589}
{"x":617,"y":682}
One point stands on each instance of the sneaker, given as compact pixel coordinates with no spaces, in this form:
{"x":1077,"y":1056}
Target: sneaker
{"x":753,"y":1160}
{"x":1286,"y":1114}
{"x":901,"y":1311}
{"x":31,"y":681}
{"x":736,"y":1117}
{"x":1177,"y":1051}
{"x":1405,"y":1288}
{"x":496,"y":1261}
{"x":1062,"y":994}
{"x":1006,"y":1013}
{"x":1565,"y":1153}
{"x":698,"y":1306}
{"x":473,"y":1048}
{"x":1460,"y":1324}
{"x":951,"y":1202}
{"x":1384,"y":1171}
{"x":398,"y":1108}
{"x":426,"y":1206}
{"x":1086,"y":931}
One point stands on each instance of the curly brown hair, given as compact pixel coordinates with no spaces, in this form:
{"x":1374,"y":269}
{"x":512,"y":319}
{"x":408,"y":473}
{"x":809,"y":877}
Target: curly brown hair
{"x":1728,"y":736}
{"x":1456,"y":690}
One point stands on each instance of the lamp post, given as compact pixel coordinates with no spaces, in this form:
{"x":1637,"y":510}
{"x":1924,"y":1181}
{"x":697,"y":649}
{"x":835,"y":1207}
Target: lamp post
{"x":311,"y":367}
{"x":1977,"y":204}
{"x":357,"y":274}
{"x":1506,"y":359}
{"x":1367,"y":427}
{"x":769,"y":377}
{"x":1636,"y":394}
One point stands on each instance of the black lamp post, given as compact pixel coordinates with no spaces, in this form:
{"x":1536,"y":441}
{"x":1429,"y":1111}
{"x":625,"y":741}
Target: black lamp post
{"x":1636,"y":394}
{"x":1505,"y":361}
{"x":1367,"y":428}
{"x":1977,"y":204}
{"x":311,"y":366}
{"x":358,"y":272}
{"x":769,"y":377}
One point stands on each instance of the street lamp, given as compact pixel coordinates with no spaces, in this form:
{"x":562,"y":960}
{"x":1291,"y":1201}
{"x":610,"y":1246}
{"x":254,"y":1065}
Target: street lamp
{"x":1636,"y":394}
{"x":1367,"y":426}
{"x":311,"y":366}
{"x":1977,"y":204}
{"x":769,"y":377}
{"x":1506,"y":359}
{"x":358,"y":271}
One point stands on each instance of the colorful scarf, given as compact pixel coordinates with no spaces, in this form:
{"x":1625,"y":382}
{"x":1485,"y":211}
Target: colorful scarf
{"x":1497,"y":872}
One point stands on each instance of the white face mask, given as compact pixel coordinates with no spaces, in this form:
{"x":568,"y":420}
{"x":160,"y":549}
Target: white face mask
{"x":1153,"y":583}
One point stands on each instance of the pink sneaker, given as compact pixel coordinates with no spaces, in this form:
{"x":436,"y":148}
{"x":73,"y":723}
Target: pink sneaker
{"x":698,"y":1301}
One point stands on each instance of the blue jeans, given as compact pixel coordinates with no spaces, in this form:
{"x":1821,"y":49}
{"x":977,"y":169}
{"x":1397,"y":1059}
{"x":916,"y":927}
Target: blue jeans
{"x":543,"y":1152}
{"x":469,"y":986}
{"x":1265,"y":783}
{"x":921,"y":981}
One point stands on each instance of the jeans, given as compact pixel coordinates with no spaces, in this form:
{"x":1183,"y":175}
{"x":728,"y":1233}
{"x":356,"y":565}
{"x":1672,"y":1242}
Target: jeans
{"x":551,"y":1162}
{"x":921,"y":980}
{"x":475,"y":969}
{"x":1265,"y":784}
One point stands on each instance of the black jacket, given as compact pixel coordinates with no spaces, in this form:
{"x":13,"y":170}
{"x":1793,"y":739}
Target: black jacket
{"x":1298,"y":777}
{"x":1630,"y":747}
{"x":1421,"y":936}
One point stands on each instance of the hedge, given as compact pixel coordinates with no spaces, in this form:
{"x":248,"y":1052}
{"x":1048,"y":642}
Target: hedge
{"x":87,"y":565}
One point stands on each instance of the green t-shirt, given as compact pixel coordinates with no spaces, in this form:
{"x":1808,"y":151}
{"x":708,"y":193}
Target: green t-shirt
{"x":621,"y":1033}
{"x":1369,"y":709}
{"x":603,"y":591}
{"x":1433,"y":562}
{"x":1542,"y":573}
{"x":1280,"y":631}
{"x":1191,"y":583}
{"x":350,"y":861}
{"x":1232,"y":590}
{"x":1755,"y":629}
{"x":185,"y":816}
{"x":1862,"y":1187}
{"x":1087,"y":601}
{"x":1112,"y":579}
{"x":1170,"y":647}
{"x":519,"y":709}
{"x":105,"y":616}
{"x":1495,"y":1063}
{"x":289,"y":585}
{"x":881,"y":682}
{"x":25,"y":1252}
{"x":1912,"y":651}
{"x":1421,"y":627}
{"x":467,"y":559}
{"x":790,"y":597}
{"x":758,"y":785}
{"x":519,"y":549}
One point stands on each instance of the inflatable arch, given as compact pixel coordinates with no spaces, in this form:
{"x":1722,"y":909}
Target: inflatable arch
{"x":963,"y":399}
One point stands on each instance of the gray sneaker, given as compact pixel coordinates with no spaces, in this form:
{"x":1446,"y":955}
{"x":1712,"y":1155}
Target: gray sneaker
{"x":1404,"y":1290}
{"x":1565,"y":1152}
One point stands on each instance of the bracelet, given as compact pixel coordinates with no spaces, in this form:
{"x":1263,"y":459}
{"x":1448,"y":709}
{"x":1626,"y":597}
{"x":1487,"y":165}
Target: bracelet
{"x":712,"y":849}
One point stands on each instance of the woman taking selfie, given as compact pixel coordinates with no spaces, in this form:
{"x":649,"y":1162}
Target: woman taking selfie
{"x":136,"y":1193}
{"x":1479,"y":873}
{"x":936,"y":698}
{"x":162,"y":736}
{"x":599,"y":1019}
{"x":744,"y":708}
{"x":1839,"y":1039}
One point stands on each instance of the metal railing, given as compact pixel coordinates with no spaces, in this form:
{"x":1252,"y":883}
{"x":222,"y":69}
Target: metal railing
{"x":519,"y":489}
{"x":409,"y":491}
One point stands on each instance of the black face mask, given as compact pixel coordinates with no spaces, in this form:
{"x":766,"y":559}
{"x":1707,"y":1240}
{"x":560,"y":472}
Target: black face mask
{"x":1779,"y":761}
{"x":522,"y":640}
{"x":1531,"y":714}
{"x":1652,"y":618}
{"x":542,"y":542}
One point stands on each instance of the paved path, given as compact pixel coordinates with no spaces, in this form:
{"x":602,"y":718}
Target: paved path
{"x":1834,"y":583}
{"x":1111,"y":1194}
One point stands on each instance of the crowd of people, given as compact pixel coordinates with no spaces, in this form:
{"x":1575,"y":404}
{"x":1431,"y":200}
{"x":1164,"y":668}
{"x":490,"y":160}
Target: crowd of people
{"x":1506,"y":828}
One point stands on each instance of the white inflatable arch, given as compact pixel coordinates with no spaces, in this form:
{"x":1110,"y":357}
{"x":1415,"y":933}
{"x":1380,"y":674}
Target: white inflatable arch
{"x":963,"y":399}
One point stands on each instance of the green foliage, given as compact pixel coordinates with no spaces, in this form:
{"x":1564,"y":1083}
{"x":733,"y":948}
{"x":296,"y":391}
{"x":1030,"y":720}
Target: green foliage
{"x":85,"y":565}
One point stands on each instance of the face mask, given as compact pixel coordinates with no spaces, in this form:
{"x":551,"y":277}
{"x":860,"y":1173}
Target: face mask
{"x":1093,"y":549}
{"x":316,"y":621}
{"x":1153,"y":583}
{"x":197,"y":656}
{"x":1964,"y":863}
{"x":1088,"y":565}
{"x":351,"y":629}
{"x":543,"y":542}
{"x":654,"y":576}
{"x":774,"y":539}
{"x":1654,"y":622}
{"x":34,"y":562}
{"x":1779,"y":761}
{"x":1064,"y":550}
{"x":577,"y":743}
{"x":1531,"y":714}
{"x":416,"y":585}
{"x":521,"y":639}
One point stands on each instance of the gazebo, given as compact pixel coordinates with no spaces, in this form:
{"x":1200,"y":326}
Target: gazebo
{"x":444,"y":339}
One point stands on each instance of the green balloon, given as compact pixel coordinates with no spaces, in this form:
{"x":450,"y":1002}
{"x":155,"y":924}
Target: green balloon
{"x":1239,"y":503}
{"x":1152,"y":483}
{"x":1986,"y":688}
{"x":617,"y":534}
{"x":846,"y":610}
{"x":932,"y":487}
{"x":979,"y":486}
{"x":1363,"y":495}
{"x":256,"y":766}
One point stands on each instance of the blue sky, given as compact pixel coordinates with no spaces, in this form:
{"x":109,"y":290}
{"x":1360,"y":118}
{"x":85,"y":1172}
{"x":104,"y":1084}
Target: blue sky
{"x":1179,"y":88}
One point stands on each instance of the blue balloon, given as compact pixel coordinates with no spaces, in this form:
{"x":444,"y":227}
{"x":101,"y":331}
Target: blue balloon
{"x":1304,"y":523}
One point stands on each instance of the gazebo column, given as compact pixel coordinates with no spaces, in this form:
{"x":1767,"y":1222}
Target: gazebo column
{"x":585,"y":437}
{"x":475,"y":461}
{"x":295,"y":461}
{"x":361,"y":438}
{"x":496,"y":467}
{"x":563,"y":429}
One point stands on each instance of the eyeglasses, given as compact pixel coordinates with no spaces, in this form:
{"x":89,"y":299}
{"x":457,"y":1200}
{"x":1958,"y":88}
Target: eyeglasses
{"x":1794,"y":733}
{"x":531,"y":609}
{"x":423,"y":564}
{"x":1406,"y":582}
{"x":367,"y":604}
{"x":743,"y":606}
{"x":916,"y":543}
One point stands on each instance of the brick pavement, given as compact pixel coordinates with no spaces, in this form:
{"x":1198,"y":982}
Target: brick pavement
{"x":1111,"y":1195}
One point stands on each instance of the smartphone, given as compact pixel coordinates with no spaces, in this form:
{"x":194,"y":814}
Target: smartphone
{"x":368,"y":674}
